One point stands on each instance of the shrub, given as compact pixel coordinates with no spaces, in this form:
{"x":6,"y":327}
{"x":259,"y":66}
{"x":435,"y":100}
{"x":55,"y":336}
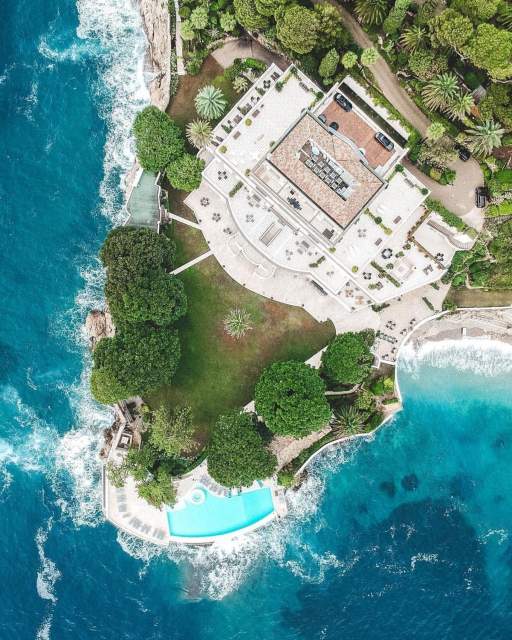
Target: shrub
{"x":503,"y":209}
{"x":210,"y":102}
{"x":329,"y":64}
{"x":348,"y":359}
{"x":236,"y":454}
{"x":290,"y":396}
{"x":186,"y":172}
{"x":158,"y":139}
{"x":237,"y":323}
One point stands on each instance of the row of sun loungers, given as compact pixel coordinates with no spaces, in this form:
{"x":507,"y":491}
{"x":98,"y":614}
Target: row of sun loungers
{"x":134,"y":522}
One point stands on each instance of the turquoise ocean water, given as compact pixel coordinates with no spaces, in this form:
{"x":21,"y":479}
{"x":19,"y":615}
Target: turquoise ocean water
{"x":404,"y":536}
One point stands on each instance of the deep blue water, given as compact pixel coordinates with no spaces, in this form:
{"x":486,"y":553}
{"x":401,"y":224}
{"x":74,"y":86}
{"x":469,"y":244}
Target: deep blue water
{"x":404,"y":536}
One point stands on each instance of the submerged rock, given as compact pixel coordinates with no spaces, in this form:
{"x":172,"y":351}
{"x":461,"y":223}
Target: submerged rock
{"x":388,"y":487}
{"x":410,"y":482}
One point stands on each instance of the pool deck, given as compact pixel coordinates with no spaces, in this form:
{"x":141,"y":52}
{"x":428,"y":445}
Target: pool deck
{"x":129,"y":513}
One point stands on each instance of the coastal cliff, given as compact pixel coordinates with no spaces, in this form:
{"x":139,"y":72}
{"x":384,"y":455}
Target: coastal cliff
{"x":156,"y":21}
{"x":98,"y":325}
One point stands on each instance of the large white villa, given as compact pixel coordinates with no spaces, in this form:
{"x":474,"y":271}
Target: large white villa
{"x":301,"y":203}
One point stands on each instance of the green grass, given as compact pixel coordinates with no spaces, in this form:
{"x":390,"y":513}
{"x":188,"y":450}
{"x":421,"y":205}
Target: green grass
{"x":465,"y":298}
{"x":216,"y":372}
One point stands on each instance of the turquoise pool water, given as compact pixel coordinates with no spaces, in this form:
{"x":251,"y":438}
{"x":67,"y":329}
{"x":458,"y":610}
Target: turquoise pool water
{"x":215,"y":516}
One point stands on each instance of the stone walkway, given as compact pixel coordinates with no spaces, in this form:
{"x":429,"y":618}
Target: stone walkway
{"x":191,"y":263}
{"x":179,"y":41}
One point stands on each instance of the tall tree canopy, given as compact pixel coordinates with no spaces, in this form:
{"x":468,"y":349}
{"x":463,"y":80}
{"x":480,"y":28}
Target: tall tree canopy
{"x":297,"y":28}
{"x":236,"y":454}
{"x":248,"y":16}
{"x":136,"y":361}
{"x":290,"y":397}
{"x":157,"y":297}
{"x":186,"y":172}
{"x":348,"y":359}
{"x":158,"y":139}
{"x":131,"y":252}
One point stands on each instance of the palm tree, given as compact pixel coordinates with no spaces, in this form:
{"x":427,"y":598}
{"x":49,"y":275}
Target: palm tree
{"x":412,"y":38}
{"x":199,"y":133}
{"x":461,"y":106}
{"x":435,"y":131}
{"x":371,"y":11}
{"x":441,"y":92}
{"x":349,"y":420}
{"x":369,"y":57}
{"x":210,"y":102}
{"x":483,"y":138}
{"x":237,"y":323}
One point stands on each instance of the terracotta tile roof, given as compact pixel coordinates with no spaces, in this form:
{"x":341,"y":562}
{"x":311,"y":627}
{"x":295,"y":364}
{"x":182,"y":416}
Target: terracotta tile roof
{"x":355,"y":128}
{"x":286,"y":158}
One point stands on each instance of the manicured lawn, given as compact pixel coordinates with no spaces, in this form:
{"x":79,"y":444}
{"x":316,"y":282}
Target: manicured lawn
{"x":480,"y":297}
{"x":216,"y":372}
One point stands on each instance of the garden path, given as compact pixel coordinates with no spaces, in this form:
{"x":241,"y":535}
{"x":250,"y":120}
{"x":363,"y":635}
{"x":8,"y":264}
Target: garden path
{"x":459,"y":197}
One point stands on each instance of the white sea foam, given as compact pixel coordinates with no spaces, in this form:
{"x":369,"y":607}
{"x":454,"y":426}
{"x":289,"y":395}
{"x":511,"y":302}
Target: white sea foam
{"x":43,"y":633}
{"x":430,"y":558}
{"x":484,"y":357}
{"x":48,"y":573}
{"x":31,"y":445}
{"x":117,"y":26}
{"x":112,"y":30}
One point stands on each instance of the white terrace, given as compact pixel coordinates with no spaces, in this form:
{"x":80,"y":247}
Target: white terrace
{"x":274,"y":239}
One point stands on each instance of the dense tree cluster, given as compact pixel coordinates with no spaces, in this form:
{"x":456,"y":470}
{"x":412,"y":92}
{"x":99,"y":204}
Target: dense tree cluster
{"x":168,"y":436}
{"x":144,"y":301}
{"x":237,"y":455}
{"x":290,"y":397}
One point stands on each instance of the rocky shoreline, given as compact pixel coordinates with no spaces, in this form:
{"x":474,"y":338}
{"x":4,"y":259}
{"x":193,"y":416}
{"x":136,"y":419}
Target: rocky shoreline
{"x":156,"y":23}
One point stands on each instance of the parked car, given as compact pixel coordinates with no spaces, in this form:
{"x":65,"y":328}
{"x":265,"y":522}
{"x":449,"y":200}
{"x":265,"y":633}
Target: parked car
{"x":464,"y":154}
{"x":322,"y":118}
{"x":345,"y":104}
{"x":334,"y":125}
{"x":480,"y":197}
{"x":384,"y":141}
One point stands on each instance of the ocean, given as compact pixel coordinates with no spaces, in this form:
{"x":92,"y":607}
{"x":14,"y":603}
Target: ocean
{"x":403,"y":535}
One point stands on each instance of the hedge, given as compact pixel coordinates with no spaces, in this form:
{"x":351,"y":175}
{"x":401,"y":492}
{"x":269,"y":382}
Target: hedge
{"x":503,"y":209}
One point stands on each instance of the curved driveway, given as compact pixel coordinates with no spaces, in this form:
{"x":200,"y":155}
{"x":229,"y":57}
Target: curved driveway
{"x":459,"y":197}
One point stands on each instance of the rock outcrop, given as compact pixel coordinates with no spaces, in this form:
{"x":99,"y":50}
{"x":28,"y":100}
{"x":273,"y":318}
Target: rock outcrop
{"x":156,"y":21}
{"x":98,"y":325}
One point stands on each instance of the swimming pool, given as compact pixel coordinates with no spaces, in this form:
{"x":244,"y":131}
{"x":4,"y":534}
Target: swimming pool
{"x":202,"y":514}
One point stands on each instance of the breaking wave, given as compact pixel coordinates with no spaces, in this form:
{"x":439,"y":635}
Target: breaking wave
{"x":481,"y":356}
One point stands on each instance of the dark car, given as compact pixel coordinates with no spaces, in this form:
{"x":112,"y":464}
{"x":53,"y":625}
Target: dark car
{"x":334,"y":125}
{"x":384,"y":141}
{"x":480,"y":197}
{"x":322,"y":118}
{"x":464,"y":154}
{"x":345,"y":104}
